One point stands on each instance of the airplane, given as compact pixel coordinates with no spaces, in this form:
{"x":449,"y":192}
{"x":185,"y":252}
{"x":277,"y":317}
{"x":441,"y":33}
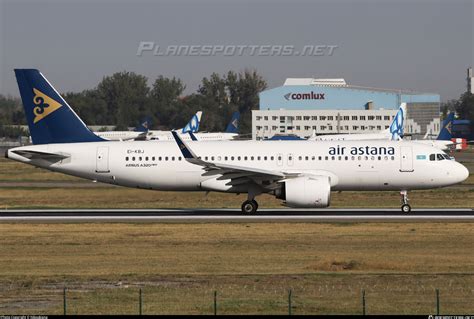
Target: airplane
{"x":443,"y":141}
{"x":231,"y":132}
{"x":144,"y":133}
{"x":394,"y":132}
{"x":301,"y":173}
{"x":139,"y":132}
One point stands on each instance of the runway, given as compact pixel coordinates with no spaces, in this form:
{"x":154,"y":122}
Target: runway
{"x":232,"y":215}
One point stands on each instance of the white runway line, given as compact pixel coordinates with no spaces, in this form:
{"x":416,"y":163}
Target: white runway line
{"x":232,"y":217}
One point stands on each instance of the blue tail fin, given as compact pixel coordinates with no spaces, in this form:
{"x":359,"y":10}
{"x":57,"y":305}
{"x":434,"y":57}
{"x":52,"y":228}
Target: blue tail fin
{"x":50,"y":118}
{"x":144,"y":125}
{"x":445,"y":134}
{"x":193,"y":124}
{"x":233,"y":126}
{"x":396,"y":128}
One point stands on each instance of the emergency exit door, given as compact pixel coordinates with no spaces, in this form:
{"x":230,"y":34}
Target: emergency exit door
{"x":102,"y":160}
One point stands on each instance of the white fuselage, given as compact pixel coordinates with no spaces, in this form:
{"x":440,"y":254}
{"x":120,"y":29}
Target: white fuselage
{"x":351,"y":165}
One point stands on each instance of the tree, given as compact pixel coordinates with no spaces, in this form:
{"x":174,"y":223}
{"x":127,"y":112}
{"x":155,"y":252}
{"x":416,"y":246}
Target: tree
{"x":165,"y":104}
{"x":125,"y":94}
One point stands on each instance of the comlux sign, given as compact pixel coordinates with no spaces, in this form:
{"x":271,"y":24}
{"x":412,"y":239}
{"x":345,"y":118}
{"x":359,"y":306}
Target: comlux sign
{"x":304,"y":96}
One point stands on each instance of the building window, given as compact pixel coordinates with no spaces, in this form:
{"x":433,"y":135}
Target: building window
{"x":298,"y":118}
{"x":258,"y":118}
{"x":378,"y":117}
{"x":314,"y":118}
{"x":362,"y":117}
{"x":370,"y":117}
{"x":386,"y":118}
{"x":354,"y":118}
{"x":306,"y":118}
{"x":265,"y":118}
{"x":346,"y":118}
{"x":330,"y":118}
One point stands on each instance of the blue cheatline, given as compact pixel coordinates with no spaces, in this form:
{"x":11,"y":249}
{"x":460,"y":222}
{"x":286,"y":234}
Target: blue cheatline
{"x":50,"y":118}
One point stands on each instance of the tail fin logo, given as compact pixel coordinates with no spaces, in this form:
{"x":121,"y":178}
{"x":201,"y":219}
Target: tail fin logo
{"x":448,"y":127}
{"x":44,"y":105}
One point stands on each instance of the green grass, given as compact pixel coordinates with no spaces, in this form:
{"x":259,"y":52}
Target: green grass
{"x":251,"y":265}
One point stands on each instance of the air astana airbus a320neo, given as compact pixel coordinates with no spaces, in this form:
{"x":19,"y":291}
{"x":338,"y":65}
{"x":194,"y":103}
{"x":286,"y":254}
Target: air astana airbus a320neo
{"x":301,"y":173}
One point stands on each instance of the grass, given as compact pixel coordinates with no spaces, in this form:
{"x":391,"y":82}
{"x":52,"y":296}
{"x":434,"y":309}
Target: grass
{"x":251,"y":265}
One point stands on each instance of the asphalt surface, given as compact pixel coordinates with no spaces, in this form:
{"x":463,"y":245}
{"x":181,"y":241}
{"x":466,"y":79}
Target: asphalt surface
{"x":229,"y":215}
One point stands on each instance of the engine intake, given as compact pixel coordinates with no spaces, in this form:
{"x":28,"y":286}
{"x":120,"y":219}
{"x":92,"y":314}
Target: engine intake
{"x":306,"y":192}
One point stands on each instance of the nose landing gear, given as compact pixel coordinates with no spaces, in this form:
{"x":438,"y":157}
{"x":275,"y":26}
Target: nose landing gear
{"x":406,"y":208}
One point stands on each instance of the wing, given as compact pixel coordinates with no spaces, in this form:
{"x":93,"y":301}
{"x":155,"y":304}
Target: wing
{"x":235,"y":174}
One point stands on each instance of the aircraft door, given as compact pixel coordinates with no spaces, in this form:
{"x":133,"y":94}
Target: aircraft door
{"x":406,"y":159}
{"x":290,"y":159}
{"x":102,"y":160}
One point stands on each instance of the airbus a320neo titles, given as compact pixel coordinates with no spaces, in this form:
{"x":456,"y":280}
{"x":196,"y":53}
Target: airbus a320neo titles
{"x":301,"y":173}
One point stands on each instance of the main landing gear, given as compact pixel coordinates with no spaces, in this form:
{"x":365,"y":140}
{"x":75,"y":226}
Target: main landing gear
{"x":250,"y":206}
{"x":406,"y":208}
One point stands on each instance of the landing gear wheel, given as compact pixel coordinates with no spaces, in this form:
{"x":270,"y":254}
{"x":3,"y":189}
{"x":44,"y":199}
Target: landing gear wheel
{"x":255,"y":202}
{"x":249,"y":207}
{"x":406,"y":208}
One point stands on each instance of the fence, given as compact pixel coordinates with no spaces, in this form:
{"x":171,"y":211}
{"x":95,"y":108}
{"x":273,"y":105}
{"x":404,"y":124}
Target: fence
{"x":214,"y":301}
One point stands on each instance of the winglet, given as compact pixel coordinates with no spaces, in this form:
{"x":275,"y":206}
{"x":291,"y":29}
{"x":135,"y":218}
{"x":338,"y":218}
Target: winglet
{"x":185,"y":150}
{"x":193,"y":137}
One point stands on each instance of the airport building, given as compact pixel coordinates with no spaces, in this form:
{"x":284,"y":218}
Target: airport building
{"x":332,"y":106}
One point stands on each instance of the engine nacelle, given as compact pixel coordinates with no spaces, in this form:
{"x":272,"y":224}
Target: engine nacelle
{"x":307,"y":192}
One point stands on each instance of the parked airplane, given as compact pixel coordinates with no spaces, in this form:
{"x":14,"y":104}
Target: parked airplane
{"x":139,"y":132}
{"x":443,"y":141}
{"x":231,"y":132}
{"x":145,"y":133}
{"x":301,"y":173}
{"x":394,"y":132}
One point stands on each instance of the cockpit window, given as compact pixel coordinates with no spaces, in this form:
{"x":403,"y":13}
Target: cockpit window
{"x":432,"y":157}
{"x":446,"y":156}
{"x":440,"y":157}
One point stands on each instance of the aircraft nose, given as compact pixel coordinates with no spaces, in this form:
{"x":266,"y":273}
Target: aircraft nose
{"x":461,"y":172}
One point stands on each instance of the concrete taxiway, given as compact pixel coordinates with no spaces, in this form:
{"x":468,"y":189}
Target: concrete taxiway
{"x":230,"y":215}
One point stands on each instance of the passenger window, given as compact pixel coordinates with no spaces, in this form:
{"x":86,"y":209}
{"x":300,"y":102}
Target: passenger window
{"x":333,"y":158}
{"x":300,"y":158}
{"x":218,"y":158}
{"x":172,"y":158}
{"x":126,"y":158}
{"x":153,"y":158}
{"x":264,"y":158}
{"x":272,"y":158}
{"x":353,"y":158}
{"x":251,"y":158}
{"x":326,"y":158}
{"x":313,"y":158}
{"x":346,"y":158}
{"x":238,"y":158}
{"x":159,"y":158}
{"x":385,"y":158}
{"x":306,"y":158}
{"x":225,"y":158}
{"x":205,"y":158}
{"x":146,"y":158}
{"x":339,"y":157}
{"x":140,"y":158}
{"x":393,"y":158}
{"x":133,"y":158}
{"x":179,"y":158}
{"x":231,"y":158}
{"x":258,"y":158}
{"x":245,"y":158}
{"x":380,"y":158}
{"x":320,"y":158}
{"x":166,"y":158}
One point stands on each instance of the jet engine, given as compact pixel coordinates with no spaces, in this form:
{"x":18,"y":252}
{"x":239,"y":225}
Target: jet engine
{"x":306,"y":192}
